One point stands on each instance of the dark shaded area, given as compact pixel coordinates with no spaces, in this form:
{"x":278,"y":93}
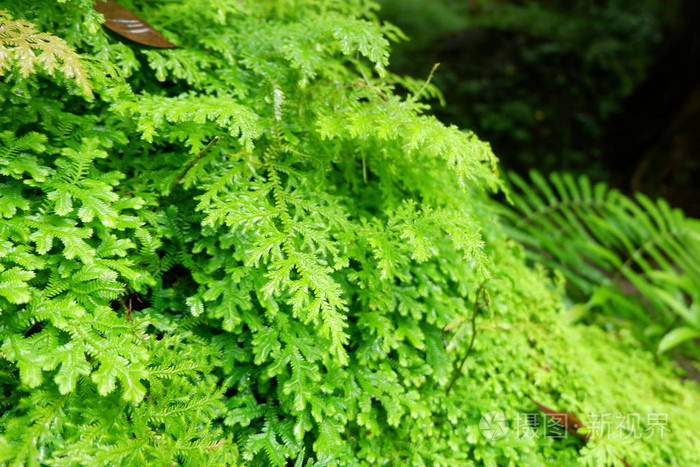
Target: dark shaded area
{"x":520,"y":102}
{"x":654,"y":141}
{"x":607,"y":89}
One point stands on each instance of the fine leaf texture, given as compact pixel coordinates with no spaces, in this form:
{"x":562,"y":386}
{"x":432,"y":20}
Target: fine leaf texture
{"x":261,"y":249}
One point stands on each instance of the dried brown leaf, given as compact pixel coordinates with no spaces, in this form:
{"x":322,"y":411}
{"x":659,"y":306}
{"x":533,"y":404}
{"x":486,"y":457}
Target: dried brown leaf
{"x":126,"y":24}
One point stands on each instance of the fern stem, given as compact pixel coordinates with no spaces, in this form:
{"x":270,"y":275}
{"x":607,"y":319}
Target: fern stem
{"x":559,"y":206}
{"x":480,"y":293}
{"x":193,"y":161}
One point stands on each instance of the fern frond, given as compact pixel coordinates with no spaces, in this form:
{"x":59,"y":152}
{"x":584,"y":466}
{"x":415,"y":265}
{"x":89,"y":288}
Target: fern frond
{"x":605,"y":242}
{"x":22,"y":45}
{"x":154,"y":113}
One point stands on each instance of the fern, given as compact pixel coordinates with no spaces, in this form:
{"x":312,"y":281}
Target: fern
{"x":249,"y":251}
{"x":624,"y":255}
{"x":22,"y":45}
{"x":158,"y":112}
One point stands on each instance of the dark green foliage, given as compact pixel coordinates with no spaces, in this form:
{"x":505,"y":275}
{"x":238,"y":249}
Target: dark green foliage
{"x":251,"y":250}
{"x":540,"y":79}
{"x":635,"y":258}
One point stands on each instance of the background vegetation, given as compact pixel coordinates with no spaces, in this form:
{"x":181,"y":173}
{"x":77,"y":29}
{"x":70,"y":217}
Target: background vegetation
{"x":608,"y":89}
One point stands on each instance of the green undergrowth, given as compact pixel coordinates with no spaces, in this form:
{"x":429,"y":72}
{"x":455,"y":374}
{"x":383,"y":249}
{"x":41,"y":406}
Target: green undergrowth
{"x":251,"y":251}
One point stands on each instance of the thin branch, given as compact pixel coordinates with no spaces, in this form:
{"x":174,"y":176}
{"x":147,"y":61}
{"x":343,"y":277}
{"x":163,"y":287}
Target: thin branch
{"x":426,"y":83}
{"x":481,"y":292}
{"x":191,"y":163}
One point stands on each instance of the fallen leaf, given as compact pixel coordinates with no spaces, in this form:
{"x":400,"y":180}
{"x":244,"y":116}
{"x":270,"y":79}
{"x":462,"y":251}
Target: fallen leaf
{"x":570,"y":422}
{"x":126,"y":24}
{"x":566,"y":419}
